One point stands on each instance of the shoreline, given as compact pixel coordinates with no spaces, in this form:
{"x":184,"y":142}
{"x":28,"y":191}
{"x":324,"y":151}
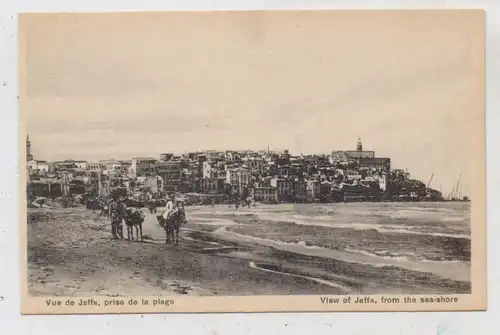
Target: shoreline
{"x":406,"y":200}
{"x":70,"y":252}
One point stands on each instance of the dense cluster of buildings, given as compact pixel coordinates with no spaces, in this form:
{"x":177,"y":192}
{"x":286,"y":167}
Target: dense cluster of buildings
{"x":264,"y":176}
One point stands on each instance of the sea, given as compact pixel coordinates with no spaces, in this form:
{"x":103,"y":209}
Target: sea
{"x":426,"y":237}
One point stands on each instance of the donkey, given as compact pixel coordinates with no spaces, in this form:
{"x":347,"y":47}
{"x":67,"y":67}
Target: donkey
{"x":173,"y":224}
{"x":134,"y":218}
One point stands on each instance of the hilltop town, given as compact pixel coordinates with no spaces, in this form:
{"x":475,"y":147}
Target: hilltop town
{"x":225,"y":176}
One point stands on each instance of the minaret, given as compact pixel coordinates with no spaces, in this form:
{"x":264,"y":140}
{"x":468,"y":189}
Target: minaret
{"x":29,"y":156}
{"x":359,"y":145}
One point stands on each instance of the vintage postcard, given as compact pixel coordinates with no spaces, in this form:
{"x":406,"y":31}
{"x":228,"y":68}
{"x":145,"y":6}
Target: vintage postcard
{"x":246,"y":161}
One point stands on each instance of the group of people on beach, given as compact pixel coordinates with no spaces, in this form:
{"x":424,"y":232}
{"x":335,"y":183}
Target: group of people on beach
{"x":118,"y":212}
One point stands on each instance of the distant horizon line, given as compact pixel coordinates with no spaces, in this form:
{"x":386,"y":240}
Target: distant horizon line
{"x":178,"y":153}
{"x":184,"y":152}
{"x":269,"y":148}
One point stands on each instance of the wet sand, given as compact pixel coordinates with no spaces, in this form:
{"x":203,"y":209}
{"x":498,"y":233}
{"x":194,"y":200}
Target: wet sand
{"x":71,"y":253}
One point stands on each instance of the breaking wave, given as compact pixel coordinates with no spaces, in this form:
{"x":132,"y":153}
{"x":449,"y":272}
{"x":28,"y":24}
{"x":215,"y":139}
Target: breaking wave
{"x":455,"y":270}
{"x":433,"y":239}
{"x":381,"y":228}
{"x":409,"y":257}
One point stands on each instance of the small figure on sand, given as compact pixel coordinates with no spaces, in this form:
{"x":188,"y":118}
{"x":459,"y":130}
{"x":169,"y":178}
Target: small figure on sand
{"x":116,"y":214}
{"x":152,"y":206}
{"x":104,"y":204}
{"x":182,"y":212}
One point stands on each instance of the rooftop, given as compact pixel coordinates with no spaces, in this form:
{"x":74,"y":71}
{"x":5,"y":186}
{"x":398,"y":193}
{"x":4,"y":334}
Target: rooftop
{"x":144,"y":159}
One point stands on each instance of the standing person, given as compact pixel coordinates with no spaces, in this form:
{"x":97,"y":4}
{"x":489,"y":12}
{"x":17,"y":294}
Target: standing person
{"x":155,"y":203}
{"x":169,"y":207}
{"x":152,"y":206}
{"x":104,"y":206}
{"x":116,"y":212}
{"x":182,"y":211}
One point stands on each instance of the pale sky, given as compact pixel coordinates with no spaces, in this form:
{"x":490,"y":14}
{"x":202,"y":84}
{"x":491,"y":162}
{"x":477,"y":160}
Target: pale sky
{"x":97,"y":86}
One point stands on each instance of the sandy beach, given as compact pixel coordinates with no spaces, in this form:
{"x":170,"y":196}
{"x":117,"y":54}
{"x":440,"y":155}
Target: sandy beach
{"x":71,"y":253}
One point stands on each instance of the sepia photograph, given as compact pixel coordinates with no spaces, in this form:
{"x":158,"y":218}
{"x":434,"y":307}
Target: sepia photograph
{"x":232,"y":161}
